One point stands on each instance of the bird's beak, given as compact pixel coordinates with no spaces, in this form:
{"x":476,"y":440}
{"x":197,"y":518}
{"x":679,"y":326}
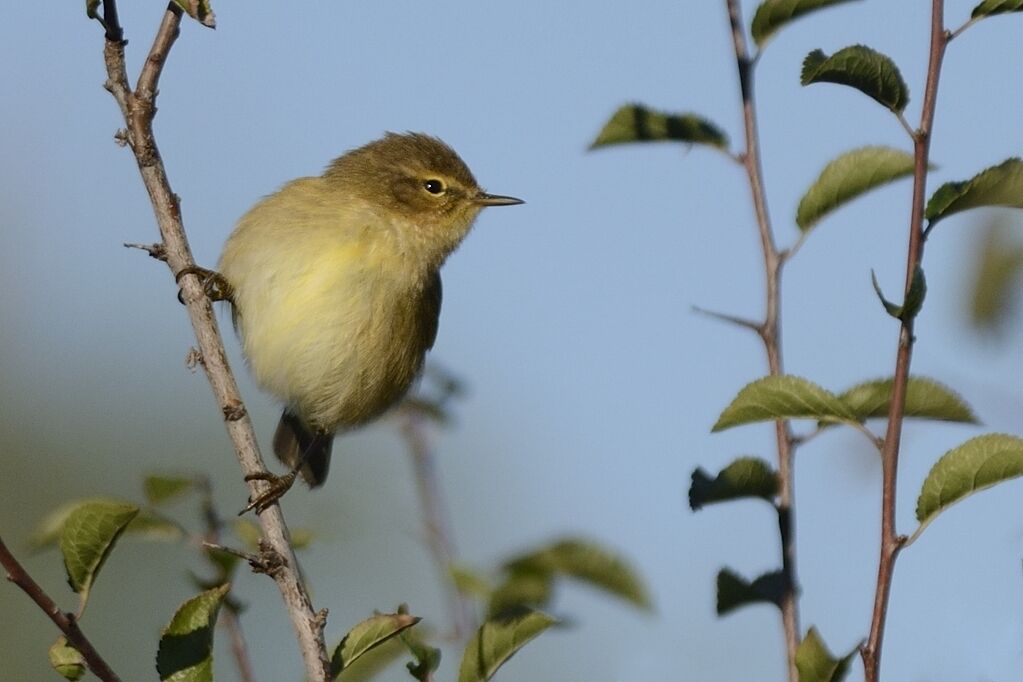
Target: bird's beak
{"x":484,"y":199}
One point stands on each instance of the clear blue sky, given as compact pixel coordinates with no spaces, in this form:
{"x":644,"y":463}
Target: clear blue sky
{"x":592,"y":385}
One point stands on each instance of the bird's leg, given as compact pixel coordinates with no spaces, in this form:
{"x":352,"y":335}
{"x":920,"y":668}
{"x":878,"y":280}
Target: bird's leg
{"x":215,"y":285}
{"x":278,"y":485}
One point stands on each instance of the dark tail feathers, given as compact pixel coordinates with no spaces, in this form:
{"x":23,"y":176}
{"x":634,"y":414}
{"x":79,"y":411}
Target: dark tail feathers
{"x":295,"y":442}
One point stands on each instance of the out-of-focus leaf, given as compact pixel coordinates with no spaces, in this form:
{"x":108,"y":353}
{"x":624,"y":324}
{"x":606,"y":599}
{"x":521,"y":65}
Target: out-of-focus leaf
{"x":147,"y":525}
{"x":745,"y":477}
{"x":1000,"y":185}
{"x":850,"y":175}
{"x":89,"y":533}
{"x":989,"y":7}
{"x":996,"y":279}
{"x":816,"y":664}
{"x":248,"y":532}
{"x":427,"y":658}
{"x":521,"y":589}
{"x":637,"y":123}
{"x":368,"y":634}
{"x":470,"y":582}
{"x":186,"y":644}
{"x":783,"y":397}
{"x":977,"y":464}
{"x":498,"y":640}
{"x":771,"y":15}
{"x":160,"y":489}
{"x":589,"y":562}
{"x":869,"y":71}
{"x":925,"y":399}
{"x":67,"y":660}
{"x":735,"y":591}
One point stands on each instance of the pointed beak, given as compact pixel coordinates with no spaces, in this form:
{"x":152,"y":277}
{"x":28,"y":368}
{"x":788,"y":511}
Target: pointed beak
{"x":484,"y":199}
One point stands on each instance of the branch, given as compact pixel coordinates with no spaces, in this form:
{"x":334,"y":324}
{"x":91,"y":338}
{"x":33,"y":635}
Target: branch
{"x":890,"y":542}
{"x":138,"y":109}
{"x":439,"y":537}
{"x":770,"y":333}
{"x":67,"y":623}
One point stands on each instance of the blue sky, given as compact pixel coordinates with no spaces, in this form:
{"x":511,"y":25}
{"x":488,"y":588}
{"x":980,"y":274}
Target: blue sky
{"x":592,"y":386}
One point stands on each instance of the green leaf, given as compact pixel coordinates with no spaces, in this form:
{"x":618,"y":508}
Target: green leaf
{"x":854,"y":173}
{"x":977,"y":464}
{"x":995,"y":281}
{"x":248,"y":532}
{"x":925,"y":399}
{"x":869,"y":71}
{"x":148,"y":525}
{"x":1000,"y":185}
{"x":159,"y":489}
{"x":368,"y":634}
{"x":67,"y":660}
{"x":468,"y":581}
{"x":782,"y":397}
{"x":200,"y":10}
{"x":773,"y":14}
{"x":523,"y":588}
{"x":588,"y":562}
{"x":637,"y":123}
{"x":498,"y":640}
{"x":735,"y":591}
{"x":427,"y":658}
{"x":186,"y":645}
{"x":745,"y":477}
{"x":816,"y":664}
{"x":90,"y":8}
{"x":89,"y":533}
{"x":914,"y":300}
{"x":989,"y":7}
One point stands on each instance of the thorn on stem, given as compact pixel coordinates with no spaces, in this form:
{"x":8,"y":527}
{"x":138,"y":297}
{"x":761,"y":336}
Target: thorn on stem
{"x":157,"y":251}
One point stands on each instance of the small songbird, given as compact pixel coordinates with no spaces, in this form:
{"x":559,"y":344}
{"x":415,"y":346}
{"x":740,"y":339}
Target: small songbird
{"x":336,"y":289}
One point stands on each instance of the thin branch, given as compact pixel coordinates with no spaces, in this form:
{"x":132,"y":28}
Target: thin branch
{"x":439,"y":537}
{"x":891,"y":543}
{"x":770,"y":332}
{"x":67,"y":623}
{"x":138,"y":109}
{"x":730,"y":319}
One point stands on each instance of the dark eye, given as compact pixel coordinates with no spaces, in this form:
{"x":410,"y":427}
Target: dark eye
{"x":434,"y":186}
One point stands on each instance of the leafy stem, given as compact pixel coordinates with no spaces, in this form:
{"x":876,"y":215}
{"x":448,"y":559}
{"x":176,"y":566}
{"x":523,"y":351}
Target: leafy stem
{"x":770,"y":332}
{"x":891,"y":542}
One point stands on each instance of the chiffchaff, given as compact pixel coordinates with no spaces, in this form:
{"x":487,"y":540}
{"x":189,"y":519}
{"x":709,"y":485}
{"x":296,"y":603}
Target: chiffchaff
{"x":336,"y":290}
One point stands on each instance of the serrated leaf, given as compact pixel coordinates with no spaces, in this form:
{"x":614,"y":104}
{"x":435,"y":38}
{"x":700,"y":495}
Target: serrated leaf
{"x":734,"y":591}
{"x":858,"y":66}
{"x":186,"y":644}
{"x":159,"y":489}
{"x":925,"y":399}
{"x":89,"y":533}
{"x":816,"y":664}
{"x":771,"y":15}
{"x":588,"y":562}
{"x":745,"y":477}
{"x":67,"y":660}
{"x":148,"y":525}
{"x":990,"y":7}
{"x":368,"y":634}
{"x":850,"y":175}
{"x":782,"y":397}
{"x":977,"y":464}
{"x":200,"y":10}
{"x":914,"y":299}
{"x":638,"y":123}
{"x":498,"y":640}
{"x":1000,"y":185}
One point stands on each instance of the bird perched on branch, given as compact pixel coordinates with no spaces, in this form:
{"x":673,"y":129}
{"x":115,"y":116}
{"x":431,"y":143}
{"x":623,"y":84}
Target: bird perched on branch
{"x":336,"y":290}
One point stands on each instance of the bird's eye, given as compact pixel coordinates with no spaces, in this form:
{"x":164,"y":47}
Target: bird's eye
{"x":434,"y":186}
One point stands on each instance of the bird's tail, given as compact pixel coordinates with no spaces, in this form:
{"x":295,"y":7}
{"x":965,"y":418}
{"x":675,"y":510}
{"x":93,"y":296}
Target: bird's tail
{"x":295,"y":444}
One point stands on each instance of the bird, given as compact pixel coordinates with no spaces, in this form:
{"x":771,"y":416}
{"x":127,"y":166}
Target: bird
{"x":335,"y":288}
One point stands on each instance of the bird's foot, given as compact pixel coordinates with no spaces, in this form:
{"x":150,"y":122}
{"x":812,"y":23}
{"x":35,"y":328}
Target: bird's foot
{"x":278,"y":485}
{"x":214,"y":285}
